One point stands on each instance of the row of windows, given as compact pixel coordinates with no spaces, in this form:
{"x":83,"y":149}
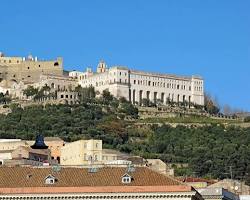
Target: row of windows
{"x":109,"y":158}
{"x":172,"y":84}
{"x":7,"y":148}
{"x":198,"y":82}
{"x":68,"y":96}
{"x":8,"y":61}
{"x":90,"y":158}
{"x":196,"y":88}
{"x":85,"y":157}
{"x":156,"y":78}
{"x":120,"y":73}
{"x":101,"y":83}
{"x":83,"y":77}
{"x":160,"y":84}
{"x":17,"y":61}
{"x":148,"y":83}
{"x":86,"y":144}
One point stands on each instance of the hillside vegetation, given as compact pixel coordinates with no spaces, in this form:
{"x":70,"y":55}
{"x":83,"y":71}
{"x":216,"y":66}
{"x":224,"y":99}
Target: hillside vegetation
{"x":209,"y":150}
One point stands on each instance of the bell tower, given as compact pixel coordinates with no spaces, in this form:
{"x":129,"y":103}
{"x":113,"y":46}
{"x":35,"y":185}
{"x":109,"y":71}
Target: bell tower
{"x":101,"y":67}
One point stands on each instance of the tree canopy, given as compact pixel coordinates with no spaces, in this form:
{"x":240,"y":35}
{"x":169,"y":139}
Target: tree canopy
{"x":209,"y":150}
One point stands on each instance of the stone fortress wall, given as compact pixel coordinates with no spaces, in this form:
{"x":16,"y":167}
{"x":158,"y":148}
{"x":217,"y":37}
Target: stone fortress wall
{"x":16,"y":69}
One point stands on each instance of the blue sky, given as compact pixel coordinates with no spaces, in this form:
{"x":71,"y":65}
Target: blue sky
{"x":209,"y":38}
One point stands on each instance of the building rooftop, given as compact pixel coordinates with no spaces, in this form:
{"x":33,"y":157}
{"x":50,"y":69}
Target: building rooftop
{"x":106,"y":179}
{"x":10,"y":140}
{"x":194,"y":180}
{"x":112,"y":151}
{"x":211,"y":193}
{"x":52,"y":139}
{"x":75,"y":177}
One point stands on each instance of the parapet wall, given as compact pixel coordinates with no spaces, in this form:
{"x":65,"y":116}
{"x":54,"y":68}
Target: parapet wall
{"x":16,"y":69}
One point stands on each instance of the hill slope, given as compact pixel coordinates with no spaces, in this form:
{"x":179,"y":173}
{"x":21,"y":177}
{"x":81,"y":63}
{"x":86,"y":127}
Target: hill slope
{"x":209,"y":150}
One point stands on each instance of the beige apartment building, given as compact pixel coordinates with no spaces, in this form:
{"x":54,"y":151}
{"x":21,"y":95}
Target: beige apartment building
{"x":87,"y":152}
{"x":82,"y":152}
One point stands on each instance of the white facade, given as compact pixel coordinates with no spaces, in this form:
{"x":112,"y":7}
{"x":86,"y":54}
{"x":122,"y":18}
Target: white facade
{"x":106,"y":195}
{"x":11,"y":144}
{"x":137,"y":85}
{"x":75,"y":74}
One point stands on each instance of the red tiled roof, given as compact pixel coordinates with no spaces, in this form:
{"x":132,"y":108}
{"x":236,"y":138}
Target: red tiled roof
{"x":194,"y":179}
{"x":107,"y":179}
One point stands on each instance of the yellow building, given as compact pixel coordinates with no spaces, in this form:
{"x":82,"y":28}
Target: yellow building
{"x":82,"y":152}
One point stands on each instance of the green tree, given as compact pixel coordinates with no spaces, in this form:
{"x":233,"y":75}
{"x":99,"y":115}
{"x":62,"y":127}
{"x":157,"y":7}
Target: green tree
{"x":107,"y":96}
{"x":30,"y":91}
{"x":145,"y":102}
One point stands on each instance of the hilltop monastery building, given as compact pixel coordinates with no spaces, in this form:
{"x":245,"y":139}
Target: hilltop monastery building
{"x":18,"y":72}
{"x":137,"y":85}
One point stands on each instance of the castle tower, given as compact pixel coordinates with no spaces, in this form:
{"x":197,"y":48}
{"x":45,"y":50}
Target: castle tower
{"x":101,"y":67}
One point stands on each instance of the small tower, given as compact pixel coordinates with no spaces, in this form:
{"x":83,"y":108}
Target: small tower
{"x":39,"y":143}
{"x":101,"y":67}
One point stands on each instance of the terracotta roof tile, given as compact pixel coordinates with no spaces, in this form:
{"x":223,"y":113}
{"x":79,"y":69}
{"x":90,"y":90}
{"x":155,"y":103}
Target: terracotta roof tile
{"x":194,"y":179}
{"x":19,"y":177}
